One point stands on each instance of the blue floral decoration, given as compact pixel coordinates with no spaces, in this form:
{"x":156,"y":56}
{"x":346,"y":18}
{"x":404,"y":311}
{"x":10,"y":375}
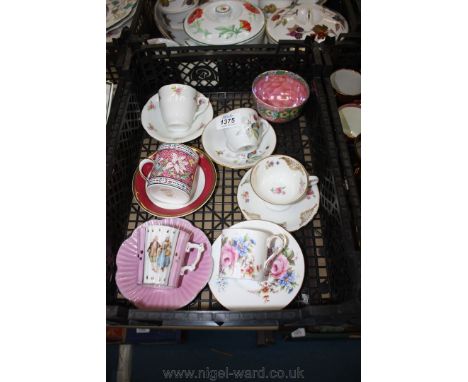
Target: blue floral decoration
{"x":242,"y":246}
{"x":287,"y":280}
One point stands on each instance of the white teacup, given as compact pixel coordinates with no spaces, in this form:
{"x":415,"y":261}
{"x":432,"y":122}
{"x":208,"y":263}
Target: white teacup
{"x":243,"y":129}
{"x":180,"y":106}
{"x":247,"y":254}
{"x":280,"y":180}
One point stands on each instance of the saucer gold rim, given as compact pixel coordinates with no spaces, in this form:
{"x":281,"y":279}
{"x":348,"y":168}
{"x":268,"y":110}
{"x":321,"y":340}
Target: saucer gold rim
{"x":215,"y":183}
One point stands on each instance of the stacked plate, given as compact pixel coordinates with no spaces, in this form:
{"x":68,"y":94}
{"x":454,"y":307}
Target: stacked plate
{"x":110,"y":90}
{"x":169,"y":16}
{"x":119,"y":14}
{"x":301,"y":19}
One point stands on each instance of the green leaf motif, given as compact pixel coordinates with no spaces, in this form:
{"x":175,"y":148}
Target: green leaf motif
{"x":197,"y":28}
{"x":255,"y":130}
{"x":288,"y":253}
{"x":228,"y":32}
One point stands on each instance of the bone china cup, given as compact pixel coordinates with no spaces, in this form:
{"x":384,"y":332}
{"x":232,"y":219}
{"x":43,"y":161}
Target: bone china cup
{"x":280,"y":180}
{"x":180,"y":106}
{"x":172,"y":174}
{"x":242,"y":129}
{"x":247,"y":254}
{"x":165,"y":250}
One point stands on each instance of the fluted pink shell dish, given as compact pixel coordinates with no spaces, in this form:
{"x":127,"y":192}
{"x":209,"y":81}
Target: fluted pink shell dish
{"x":154,"y":298}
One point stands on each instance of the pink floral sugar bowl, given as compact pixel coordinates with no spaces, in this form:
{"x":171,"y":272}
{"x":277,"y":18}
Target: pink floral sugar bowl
{"x":280,"y":95}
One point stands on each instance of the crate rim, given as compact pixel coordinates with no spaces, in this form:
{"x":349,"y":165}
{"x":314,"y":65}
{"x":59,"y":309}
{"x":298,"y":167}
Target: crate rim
{"x":348,"y":310}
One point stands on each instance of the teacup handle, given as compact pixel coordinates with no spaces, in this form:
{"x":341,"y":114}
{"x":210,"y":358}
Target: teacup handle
{"x":200,"y":249}
{"x":313,"y":180}
{"x":140,"y":167}
{"x":263,"y":129}
{"x":202,"y":103}
{"x":278,"y":250}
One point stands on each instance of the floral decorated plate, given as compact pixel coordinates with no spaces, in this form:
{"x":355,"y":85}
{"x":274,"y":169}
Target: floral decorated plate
{"x":145,"y":297}
{"x":205,"y":186}
{"x":225,"y":22}
{"x":276,"y":292}
{"x":177,"y":6}
{"x":117,"y":10}
{"x":298,"y":21}
{"x":271,"y":6}
{"x":167,"y":42}
{"x":164,"y":27}
{"x":154,"y":124}
{"x":292,"y":218}
{"x":214,"y":143}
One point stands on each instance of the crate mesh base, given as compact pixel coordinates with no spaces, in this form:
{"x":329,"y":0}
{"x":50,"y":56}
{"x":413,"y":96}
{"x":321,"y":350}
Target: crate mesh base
{"x":222,"y":210}
{"x":331,"y":282}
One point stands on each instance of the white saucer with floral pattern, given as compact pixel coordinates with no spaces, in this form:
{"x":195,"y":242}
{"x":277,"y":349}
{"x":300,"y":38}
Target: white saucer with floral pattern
{"x":214,"y":143}
{"x":297,"y":21}
{"x":276,"y":292}
{"x":153,"y":123}
{"x":291,"y":218}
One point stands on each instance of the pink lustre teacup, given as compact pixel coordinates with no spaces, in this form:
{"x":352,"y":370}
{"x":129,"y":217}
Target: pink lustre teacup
{"x":280,"y":180}
{"x":172,"y":175}
{"x":163,"y":252}
{"x":247,"y":254}
{"x":180,"y":106}
{"x":280,"y":95}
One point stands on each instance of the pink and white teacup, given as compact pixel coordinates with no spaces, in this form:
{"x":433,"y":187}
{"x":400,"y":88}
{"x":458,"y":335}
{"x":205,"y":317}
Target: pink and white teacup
{"x":163,"y":253}
{"x":247,"y":254}
{"x":172,"y":175}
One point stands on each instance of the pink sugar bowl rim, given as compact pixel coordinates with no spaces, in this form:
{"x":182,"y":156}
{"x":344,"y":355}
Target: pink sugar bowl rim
{"x":280,"y":72}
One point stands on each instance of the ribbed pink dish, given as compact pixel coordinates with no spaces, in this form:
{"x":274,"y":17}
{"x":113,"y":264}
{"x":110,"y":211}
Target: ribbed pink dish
{"x":147,"y":297}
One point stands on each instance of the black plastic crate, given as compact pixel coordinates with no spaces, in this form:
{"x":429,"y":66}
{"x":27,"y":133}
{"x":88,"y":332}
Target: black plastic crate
{"x":345,"y":54}
{"x":330,"y":293}
{"x":144,"y":22}
{"x":115,"y":55}
{"x":117,"y":50}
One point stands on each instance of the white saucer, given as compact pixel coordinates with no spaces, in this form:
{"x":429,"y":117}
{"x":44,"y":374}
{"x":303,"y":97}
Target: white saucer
{"x":154,"y":124}
{"x":275,"y":293}
{"x":296,"y":216}
{"x":214,"y":143}
{"x":200,"y":184}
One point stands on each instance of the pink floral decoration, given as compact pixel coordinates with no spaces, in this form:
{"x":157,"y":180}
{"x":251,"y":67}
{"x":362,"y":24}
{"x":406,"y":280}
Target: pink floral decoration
{"x":279,"y":267}
{"x":229,"y":256}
